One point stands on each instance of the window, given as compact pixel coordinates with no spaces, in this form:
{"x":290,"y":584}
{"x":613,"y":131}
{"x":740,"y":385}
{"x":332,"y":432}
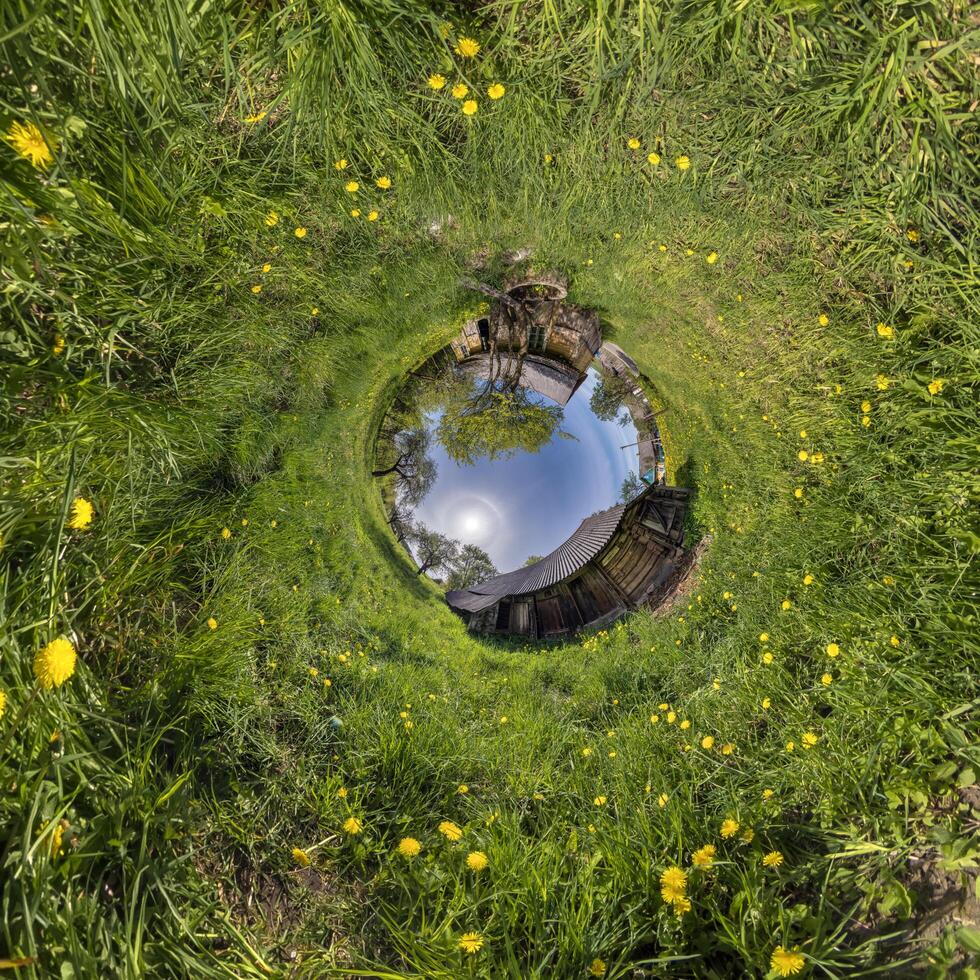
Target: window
{"x":536,"y":338}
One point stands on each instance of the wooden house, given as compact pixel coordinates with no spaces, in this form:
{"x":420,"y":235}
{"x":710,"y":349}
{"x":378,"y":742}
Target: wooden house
{"x":616,"y":560}
{"x":555,"y":330}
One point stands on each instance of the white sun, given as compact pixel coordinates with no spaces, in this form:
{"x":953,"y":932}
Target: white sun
{"x":473,"y":523}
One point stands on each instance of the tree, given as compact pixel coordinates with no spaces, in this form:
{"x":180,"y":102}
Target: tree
{"x":471,"y":565}
{"x":416,"y":470}
{"x":608,"y":397}
{"x":400,"y":522}
{"x":496,"y":425}
{"x":531,"y":559}
{"x":632,"y":487}
{"x":432,"y":550}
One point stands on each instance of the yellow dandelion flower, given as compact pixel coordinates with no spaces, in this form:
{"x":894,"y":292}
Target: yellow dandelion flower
{"x":802,"y":455}
{"x":767,"y":794}
{"x":300,"y":232}
{"x":786,"y":963}
{"x":300,"y":857}
{"x":313,"y":312}
{"x":372,"y":216}
{"x":682,"y":163}
{"x":790,"y":745}
{"x":885,"y":331}
{"x":599,"y":801}
{"x":55,"y":663}
{"x":355,"y":212}
{"x":212,"y":623}
{"x":460,"y":91}
{"x":671,"y":717}
{"x":708,"y":742}
{"x":59,"y":344}
{"x":767,"y":657}
{"x":704,"y":857}
{"x":681,"y":905}
{"x":257,"y":288}
{"x":684,"y":725}
{"x":763,"y":637}
{"x":597,"y":968}
{"x":827,"y":679}
{"x":673,"y":884}
{"x":729,"y":828}
{"x":808,"y":579}
{"x":548,"y":158}
{"x":633,"y":143}
{"x":786,"y":605}
{"x":409,"y":847}
{"x":352,"y":187}
{"x":809,"y":740}
{"x":748,"y":835}
{"x":712,"y":258}
{"x":766,"y":704}
{"x":833,"y":650}
{"x":654,"y":159}
{"x":798,"y":493}
{"x":823,"y":319}
{"x":383,"y":182}
{"x":81,"y":515}
{"x":450,"y":831}
{"x":31,"y":144}
{"x":469,"y":107}
{"x":772,"y":860}
{"x":882,"y":382}
{"x":476,"y":861}
{"x":496,"y":91}
{"x":272,"y":219}
{"x":662,"y":800}
{"x":895,"y":641}
{"x":436,"y":81}
{"x":340,"y":164}
{"x":3,"y":702}
{"x":353,"y":826}
{"x":462,"y":789}
{"x":266,"y":267}
{"x":257,"y":117}
{"x":466,"y":47}
{"x":727,"y":748}
{"x":936,"y":386}
{"x":471,"y":942}
{"x":912,"y":235}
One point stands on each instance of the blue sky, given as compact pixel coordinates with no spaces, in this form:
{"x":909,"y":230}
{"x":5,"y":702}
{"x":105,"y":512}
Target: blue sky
{"x":529,"y":504}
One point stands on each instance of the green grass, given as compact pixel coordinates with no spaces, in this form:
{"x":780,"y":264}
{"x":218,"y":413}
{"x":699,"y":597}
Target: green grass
{"x":183,"y":763}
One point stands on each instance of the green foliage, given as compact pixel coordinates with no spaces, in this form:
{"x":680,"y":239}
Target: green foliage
{"x":832,"y":171}
{"x":496,"y":426}
{"x":472,"y":565}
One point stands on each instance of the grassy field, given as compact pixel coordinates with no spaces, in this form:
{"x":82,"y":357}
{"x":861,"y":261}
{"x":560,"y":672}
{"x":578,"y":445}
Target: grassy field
{"x":262,"y":707}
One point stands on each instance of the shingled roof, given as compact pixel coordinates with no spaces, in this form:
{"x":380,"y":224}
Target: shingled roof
{"x":588,"y":539}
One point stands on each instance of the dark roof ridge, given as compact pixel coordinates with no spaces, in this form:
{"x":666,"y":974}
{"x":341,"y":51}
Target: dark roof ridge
{"x":584,"y":543}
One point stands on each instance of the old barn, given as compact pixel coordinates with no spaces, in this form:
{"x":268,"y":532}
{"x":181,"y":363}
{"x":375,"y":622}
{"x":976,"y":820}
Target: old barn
{"x":615,"y":560}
